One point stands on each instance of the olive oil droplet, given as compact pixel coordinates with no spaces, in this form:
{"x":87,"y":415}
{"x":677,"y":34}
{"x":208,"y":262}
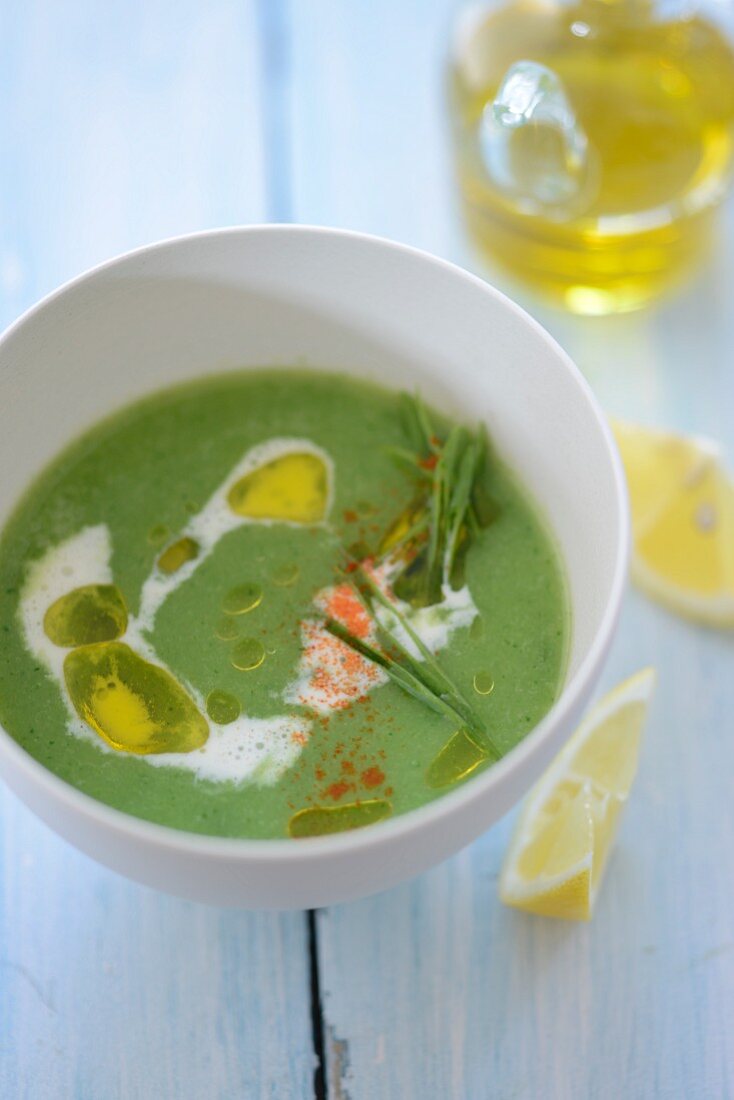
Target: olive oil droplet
{"x":483,"y":683}
{"x":286,"y":575}
{"x":177,"y":554}
{"x":292,"y":488}
{"x":398,"y":533}
{"x":321,"y":820}
{"x":158,"y":534}
{"x":458,"y":758}
{"x":222,"y":707}
{"x":133,"y":705}
{"x":243,"y":598}
{"x":227,"y":629}
{"x":248,"y":654}
{"x":92,"y":613}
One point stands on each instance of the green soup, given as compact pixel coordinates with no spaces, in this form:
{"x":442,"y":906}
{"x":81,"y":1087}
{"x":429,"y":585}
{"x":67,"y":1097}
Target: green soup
{"x":276,"y":603}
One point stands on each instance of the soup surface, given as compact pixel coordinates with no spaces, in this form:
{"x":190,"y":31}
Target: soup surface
{"x":276,"y":603}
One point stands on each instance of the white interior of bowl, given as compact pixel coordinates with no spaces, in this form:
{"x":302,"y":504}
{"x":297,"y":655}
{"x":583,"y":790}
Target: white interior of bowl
{"x":343,"y":302}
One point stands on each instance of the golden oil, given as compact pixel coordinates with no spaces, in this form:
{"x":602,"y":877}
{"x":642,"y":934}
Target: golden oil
{"x":603,"y":194}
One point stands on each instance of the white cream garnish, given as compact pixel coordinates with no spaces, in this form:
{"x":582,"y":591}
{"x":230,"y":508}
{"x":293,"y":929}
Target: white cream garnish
{"x":434,"y":625}
{"x":259,"y":750}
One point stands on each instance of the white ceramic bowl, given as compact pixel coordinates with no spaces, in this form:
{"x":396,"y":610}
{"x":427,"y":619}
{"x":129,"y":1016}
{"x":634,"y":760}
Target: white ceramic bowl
{"x":344,"y":302}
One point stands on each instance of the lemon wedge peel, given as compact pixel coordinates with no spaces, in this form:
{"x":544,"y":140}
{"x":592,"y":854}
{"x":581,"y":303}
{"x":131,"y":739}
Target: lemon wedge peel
{"x":559,"y":851}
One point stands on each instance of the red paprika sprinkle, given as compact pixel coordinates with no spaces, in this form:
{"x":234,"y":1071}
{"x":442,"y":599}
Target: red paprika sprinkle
{"x":373,"y":777}
{"x":345,"y":606}
{"x":336,"y":790}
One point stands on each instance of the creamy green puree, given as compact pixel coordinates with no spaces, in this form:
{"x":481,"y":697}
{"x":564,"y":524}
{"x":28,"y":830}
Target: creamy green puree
{"x":276,"y":603}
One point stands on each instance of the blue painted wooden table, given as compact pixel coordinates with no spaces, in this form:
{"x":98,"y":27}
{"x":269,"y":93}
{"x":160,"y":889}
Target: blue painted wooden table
{"x":125,"y":122}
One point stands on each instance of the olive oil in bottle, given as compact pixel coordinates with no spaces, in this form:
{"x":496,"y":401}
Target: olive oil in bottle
{"x":593,"y":142}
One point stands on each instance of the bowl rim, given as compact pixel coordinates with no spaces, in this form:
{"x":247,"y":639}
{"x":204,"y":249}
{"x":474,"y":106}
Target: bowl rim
{"x":573,"y":692}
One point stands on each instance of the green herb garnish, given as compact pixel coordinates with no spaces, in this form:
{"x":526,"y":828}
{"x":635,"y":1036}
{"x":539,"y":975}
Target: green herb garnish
{"x":454,"y":505}
{"x":403,"y":677}
{"x":425,"y":680}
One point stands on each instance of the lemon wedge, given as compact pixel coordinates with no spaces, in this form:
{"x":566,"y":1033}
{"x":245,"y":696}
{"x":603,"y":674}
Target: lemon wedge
{"x":559,"y":850}
{"x":682,"y":505}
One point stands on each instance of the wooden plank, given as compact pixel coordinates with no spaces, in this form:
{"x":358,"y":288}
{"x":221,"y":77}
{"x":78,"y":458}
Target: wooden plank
{"x":111,"y":990}
{"x":121,"y":123}
{"x":434,"y":989}
{"x":366,"y":120}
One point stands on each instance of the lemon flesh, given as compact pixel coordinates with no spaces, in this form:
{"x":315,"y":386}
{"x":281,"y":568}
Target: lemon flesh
{"x":566,"y":829}
{"x":682,"y":503}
